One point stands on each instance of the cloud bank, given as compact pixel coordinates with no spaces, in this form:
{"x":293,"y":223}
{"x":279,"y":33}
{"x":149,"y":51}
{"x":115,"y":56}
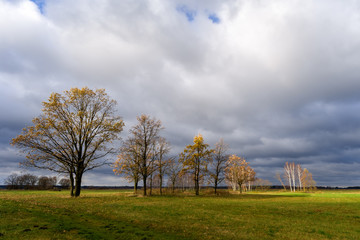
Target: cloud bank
{"x":278,"y":80}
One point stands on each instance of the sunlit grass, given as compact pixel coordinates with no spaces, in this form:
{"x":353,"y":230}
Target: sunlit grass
{"x":110,"y":214}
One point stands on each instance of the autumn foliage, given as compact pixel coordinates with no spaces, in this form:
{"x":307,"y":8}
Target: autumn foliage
{"x":72,"y":134}
{"x":238,"y":172}
{"x":195,"y":160}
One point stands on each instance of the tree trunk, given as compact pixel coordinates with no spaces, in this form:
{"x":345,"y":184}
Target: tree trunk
{"x":233,"y":184}
{"x":71,"y":184}
{"x":144,"y":183}
{"x":289,"y":180}
{"x":196,"y":177}
{"x":196,"y":184}
{"x":215,"y":187}
{"x":160,"y":178}
{"x":197,"y":188}
{"x":173,"y":186}
{"x":78,"y":183}
{"x":135,"y":186}
{"x":240,"y":186}
{"x":151,"y":182}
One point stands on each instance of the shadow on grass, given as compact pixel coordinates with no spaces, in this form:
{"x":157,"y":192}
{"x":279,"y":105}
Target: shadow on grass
{"x":227,"y":195}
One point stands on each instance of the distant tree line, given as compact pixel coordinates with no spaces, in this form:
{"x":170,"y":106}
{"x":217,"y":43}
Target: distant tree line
{"x":30,"y":181}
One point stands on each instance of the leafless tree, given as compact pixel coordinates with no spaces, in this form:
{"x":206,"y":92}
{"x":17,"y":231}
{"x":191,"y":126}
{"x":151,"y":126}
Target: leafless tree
{"x":64,"y":183}
{"x":12,"y":181}
{"x":46,"y":182}
{"x":145,"y":136}
{"x":128,"y":162}
{"x":261,"y":184}
{"x":161,"y":162}
{"x":218,"y":163}
{"x":173,"y":173}
{"x":278,"y":177}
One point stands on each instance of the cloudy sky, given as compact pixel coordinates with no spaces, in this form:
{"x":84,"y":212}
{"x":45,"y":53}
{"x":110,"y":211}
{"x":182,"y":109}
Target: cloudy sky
{"x":278,"y":80}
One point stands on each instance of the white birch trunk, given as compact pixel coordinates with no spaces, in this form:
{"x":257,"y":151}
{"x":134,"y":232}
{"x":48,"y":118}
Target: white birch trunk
{"x":299,"y":175}
{"x":293,"y":176}
{"x":288,"y":174}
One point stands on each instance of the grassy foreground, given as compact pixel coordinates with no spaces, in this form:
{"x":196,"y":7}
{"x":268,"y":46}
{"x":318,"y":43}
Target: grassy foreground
{"x":101,"y":214}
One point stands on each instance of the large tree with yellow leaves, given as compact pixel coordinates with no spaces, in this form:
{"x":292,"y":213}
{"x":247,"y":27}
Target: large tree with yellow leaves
{"x":72,"y":135}
{"x":195,"y":159}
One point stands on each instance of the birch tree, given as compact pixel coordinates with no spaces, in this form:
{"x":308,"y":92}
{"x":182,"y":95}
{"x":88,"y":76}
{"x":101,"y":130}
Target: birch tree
{"x":293,"y":175}
{"x":250,"y":177}
{"x":288,"y":176}
{"x":299,"y":173}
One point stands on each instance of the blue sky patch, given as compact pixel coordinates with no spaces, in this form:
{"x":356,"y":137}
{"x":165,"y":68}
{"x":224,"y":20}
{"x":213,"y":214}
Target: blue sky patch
{"x":40,"y":4}
{"x":214,"y":18}
{"x":189,"y":13}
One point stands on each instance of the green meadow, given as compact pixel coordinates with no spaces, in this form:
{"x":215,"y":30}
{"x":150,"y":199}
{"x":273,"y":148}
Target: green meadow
{"x":113,"y":214}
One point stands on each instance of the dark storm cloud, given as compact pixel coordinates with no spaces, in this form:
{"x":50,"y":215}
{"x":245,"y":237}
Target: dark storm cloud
{"x":279,"y":81}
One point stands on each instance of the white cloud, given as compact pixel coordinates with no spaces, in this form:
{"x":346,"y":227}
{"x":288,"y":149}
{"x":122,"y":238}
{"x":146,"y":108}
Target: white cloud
{"x":276,"y":79}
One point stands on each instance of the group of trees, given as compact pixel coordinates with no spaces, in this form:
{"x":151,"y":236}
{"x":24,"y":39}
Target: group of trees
{"x":143,"y":153}
{"x":74,"y":135}
{"x":239,"y":173}
{"x":144,"y":157}
{"x":30,"y":181}
{"x":296,"y":177}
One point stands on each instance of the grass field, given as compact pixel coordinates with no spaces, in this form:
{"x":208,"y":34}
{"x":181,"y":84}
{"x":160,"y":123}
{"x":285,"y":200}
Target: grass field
{"x":105,"y":214}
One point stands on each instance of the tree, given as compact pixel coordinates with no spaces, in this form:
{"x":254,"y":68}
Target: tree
{"x":128,"y":162}
{"x":250,"y":177}
{"x":219,"y":158}
{"x":289,"y":172}
{"x":46,"y":182}
{"x":161,"y":163}
{"x":238,"y":170}
{"x":261,"y":184}
{"x":72,"y":134}
{"x":278,"y":177}
{"x":195,"y":159}
{"x":308,"y":182}
{"x":145,"y":136}
{"x":297,"y":176}
{"x":65,"y":183}
{"x":27,"y":181}
{"x":12,"y":181}
{"x":174,"y":169}
{"x":299,"y":173}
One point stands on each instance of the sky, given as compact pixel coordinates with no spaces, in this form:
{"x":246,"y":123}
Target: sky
{"x":277,"y":80}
